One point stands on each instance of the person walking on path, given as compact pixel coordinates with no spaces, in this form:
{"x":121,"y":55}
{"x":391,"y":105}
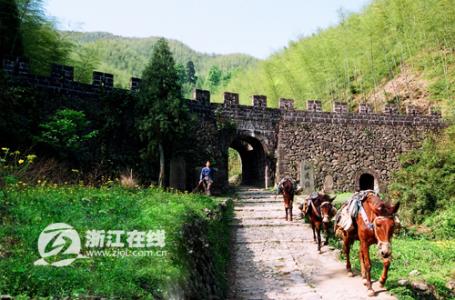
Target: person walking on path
{"x":206,"y":177}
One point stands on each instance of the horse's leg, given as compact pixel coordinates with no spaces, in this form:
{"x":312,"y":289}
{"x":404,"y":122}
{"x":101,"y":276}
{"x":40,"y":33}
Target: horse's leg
{"x":286,"y":211}
{"x":290,"y":211}
{"x":347,"y":252}
{"x":318,"y":230}
{"x":367,"y":265}
{"x":362,"y":267}
{"x":386,"y":262}
{"x":314,"y":232}
{"x":326,"y":233}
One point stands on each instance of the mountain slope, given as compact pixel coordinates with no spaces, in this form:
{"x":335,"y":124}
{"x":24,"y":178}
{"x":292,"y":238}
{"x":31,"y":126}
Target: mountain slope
{"x":126,"y":57}
{"x":364,"y":57}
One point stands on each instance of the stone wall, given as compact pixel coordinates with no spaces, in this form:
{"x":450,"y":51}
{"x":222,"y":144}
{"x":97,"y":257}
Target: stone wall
{"x":346,"y":145}
{"x":309,"y":145}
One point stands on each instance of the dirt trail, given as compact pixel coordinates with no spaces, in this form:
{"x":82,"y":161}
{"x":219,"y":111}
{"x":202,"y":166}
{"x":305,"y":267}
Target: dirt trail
{"x":275,"y":259}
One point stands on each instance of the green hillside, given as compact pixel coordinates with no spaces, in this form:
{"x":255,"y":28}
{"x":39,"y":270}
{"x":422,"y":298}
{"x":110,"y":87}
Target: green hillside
{"x":126,"y":57}
{"x":398,"y":51}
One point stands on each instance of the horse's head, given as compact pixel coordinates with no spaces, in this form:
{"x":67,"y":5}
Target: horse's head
{"x":326,"y":207}
{"x":383,"y":222}
{"x":288,"y":187}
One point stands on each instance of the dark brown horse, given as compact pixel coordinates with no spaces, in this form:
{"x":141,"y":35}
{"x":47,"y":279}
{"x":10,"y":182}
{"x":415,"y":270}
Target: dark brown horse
{"x":288,"y":197}
{"x":377,"y":230}
{"x":320,"y":211}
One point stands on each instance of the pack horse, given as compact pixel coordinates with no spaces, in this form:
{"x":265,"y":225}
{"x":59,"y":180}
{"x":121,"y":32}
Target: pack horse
{"x":371,"y":221}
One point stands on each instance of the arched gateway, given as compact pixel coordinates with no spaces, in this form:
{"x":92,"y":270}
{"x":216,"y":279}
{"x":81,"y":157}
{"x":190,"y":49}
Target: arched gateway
{"x":253,"y":160}
{"x":273,"y":142}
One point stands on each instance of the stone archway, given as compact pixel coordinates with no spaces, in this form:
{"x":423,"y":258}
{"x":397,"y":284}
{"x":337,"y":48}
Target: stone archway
{"x":367,"y":180}
{"x":252,"y":155}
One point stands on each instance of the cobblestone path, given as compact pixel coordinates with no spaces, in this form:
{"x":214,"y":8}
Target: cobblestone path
{"x":276,"y":259}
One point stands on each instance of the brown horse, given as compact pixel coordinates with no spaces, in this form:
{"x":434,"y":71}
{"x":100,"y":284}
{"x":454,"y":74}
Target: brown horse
{"x":320,"y":212}
{"x":378,"y":230}
{"x":288,"y":197}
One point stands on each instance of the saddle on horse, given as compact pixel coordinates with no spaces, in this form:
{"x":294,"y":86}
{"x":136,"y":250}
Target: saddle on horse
{"x":310,"y":202}
{"x":350,"y":209}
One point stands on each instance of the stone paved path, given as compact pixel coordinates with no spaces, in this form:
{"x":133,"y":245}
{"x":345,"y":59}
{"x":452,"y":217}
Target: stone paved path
{"x":275,"y":259}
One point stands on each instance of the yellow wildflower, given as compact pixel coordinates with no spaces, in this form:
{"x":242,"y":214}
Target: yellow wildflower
{"x":31,"y":157}
{"x":5,"y":149}
{"x":20,"y":161}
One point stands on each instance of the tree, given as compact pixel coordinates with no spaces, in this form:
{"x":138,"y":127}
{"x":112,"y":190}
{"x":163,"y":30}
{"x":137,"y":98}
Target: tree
{"x":42,"y":43}
{"x":164,"y":116}
{"x":181,"y":73}
{"x":214,"y":77}
{"x":10,"y":35}
{"x":191,"y":73}
{"x":85,"y":60}
{"x":66,"y":131}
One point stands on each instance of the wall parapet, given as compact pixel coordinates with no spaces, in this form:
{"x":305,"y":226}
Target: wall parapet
{"x":61,"y":80}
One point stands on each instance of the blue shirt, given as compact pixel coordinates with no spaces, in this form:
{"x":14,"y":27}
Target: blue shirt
{"x":206,"y":172}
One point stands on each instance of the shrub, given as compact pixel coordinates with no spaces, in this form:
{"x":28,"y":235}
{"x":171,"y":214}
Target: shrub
{"x":425,"y":182}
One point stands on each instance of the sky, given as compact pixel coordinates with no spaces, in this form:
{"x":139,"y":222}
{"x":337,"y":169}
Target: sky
{"x":255,"y":27}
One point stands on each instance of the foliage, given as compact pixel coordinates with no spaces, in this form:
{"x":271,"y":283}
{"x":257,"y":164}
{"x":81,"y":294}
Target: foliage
{"x":19,"y":114}
{"x":127,"y":57}
{"x":191,"y":72}
{"x":425,"y":182}
{"x":234,"y":166}
{"x":85,"y":60}
{"x":164,"y":118}
{"x":355,"y":57}
{"x":115,"y":123}
{"x":66,"y":131}
{"x":10,"y":35}
{"x":43,"y":45}
{"x":214,"y":77}
{"x":13,"y":165}
{"x":434,"y":260}
{"x":442,"y":224}
{"x":27,"y":211}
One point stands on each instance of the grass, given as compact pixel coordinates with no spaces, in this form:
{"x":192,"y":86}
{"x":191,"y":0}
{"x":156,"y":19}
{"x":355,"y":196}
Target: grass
{"x":341,"y":198}
{"x":435,"y":261}
{"x":26,"y":212}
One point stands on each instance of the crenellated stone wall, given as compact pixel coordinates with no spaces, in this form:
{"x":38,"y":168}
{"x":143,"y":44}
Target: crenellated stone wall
{"x":310,"y":145}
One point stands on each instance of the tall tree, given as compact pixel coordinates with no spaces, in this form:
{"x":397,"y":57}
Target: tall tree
{"x":10,"y":34}
{"x":43,"y":44}
{"x":191,"y":72}
{"x":164,"y":116}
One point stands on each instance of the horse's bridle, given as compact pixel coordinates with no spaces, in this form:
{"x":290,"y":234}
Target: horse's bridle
{"x":372,"y":225}
{"x":374,"y":228}
{"x":316,"y":211}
